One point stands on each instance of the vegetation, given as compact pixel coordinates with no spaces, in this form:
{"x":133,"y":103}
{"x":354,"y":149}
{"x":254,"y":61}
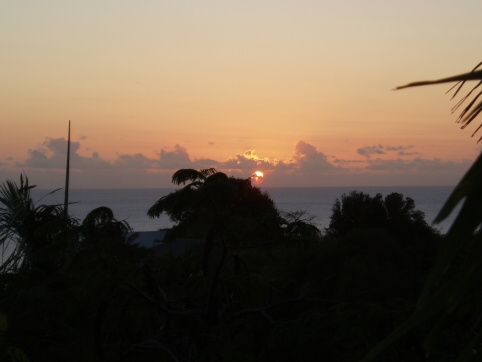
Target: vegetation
{"x":451,"y":295}
{"x":262,"y":286}
{"x":213,"y":205}
{"x":361,"y":211}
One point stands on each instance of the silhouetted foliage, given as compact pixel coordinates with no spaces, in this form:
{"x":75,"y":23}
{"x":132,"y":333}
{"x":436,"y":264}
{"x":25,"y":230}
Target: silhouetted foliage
{"x":359,"y":210}
{"x":451,"y":294}
{"x":241,"y":295}
{"x":214,"y":204}
{"x":32,"y":235}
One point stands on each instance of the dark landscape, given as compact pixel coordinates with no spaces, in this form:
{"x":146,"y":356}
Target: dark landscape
{"x":259,"y":286}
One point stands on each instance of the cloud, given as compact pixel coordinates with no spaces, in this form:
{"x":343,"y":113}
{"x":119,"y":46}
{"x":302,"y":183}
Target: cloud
{"x":405,"y":153}
{"x":59,"y":145}
{"x":168,"y":160}
{"x":342,"y":161}
{"x":178,"y":158}
{"x":398,"y":148}
{"x":307,"y":157}
{"x":307,"y":166}
{"x":402,"y":150}
{"x":417,"y":165}
{"x":135,"y":161}
{"x":203,"y":163}
{"x":53,"y":155}
{"x":367,"y":151}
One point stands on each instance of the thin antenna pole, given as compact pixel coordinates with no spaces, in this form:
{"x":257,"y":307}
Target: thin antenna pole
{"x":67,"y":172}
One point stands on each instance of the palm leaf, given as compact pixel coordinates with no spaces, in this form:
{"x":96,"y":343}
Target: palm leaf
{"x":473,"y":75}
{"x":208,"y":171}
{"x":26,"y":228}
{"x":434,"y":297}
{"x":187,"y":174}
{"x":472,"y":110}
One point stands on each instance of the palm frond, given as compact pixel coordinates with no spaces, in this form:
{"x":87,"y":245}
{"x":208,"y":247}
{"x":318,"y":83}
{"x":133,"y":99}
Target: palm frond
{"x":28,"y":230}
{"x":208,"y":171}
{"x":472,"y":109}
{"x":187,"y":174}
{"x":437,"y":296}
{"x":473,"y":75}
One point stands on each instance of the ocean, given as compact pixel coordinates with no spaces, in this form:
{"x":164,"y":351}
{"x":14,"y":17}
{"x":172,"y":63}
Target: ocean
{"x":131,"y":205}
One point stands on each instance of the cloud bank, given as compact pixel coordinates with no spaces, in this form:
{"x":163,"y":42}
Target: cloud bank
{"x":373,"y":165}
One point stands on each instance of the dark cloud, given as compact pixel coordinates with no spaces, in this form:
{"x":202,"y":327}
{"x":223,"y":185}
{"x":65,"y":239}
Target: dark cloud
{"x":367,"y":151}
{"x":398,"y":148}
{"x":203,"y":163}
{"x":53,"y":155}
{"x":306,"y":156}
{"x":39,"y":159}
{"x":178,"y":158}
{"x":342,"y":161}
{"x":405,"y":153}
{"x":417,"y":165}
{"x":59,"y":145}
{"x":136,"y":161}
{"x":402,"y":150}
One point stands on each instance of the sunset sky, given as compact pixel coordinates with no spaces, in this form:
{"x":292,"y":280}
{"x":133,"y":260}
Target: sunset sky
{"x":301,"y":90}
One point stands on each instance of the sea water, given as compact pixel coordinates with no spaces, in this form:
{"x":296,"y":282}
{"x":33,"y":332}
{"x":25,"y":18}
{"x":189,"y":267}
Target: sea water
{"x":131,"y":205}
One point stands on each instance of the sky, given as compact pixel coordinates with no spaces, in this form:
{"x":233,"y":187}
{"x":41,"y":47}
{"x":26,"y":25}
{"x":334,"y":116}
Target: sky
{"x":300,"y":90}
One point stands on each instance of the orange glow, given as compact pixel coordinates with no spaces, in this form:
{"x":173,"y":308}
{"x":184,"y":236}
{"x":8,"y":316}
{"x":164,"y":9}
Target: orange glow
{"x":257,"y":177}
{"x":235,"y":97}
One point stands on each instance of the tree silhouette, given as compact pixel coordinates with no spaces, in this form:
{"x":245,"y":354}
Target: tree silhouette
{"x":211,"y":204}
{"x":359,"y":210}
{"x":32,"y":235}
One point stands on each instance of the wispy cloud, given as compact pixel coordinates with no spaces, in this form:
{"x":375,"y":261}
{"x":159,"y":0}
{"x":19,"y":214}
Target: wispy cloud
{"x":418,"y":164}
{"x":369,"y":151}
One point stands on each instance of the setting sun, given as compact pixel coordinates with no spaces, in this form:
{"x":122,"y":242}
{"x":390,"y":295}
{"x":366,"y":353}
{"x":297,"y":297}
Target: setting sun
{"x":257,"y":177}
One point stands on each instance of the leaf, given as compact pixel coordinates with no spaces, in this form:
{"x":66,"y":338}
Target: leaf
{"x":471,"y":111}
{"x":474,"y":75}
{"x":187,"y":174}
{"x":469,"y":276}
{"x":434,"y":306}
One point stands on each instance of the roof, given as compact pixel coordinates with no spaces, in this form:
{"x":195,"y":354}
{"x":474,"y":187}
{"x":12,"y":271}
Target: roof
{"x":154,"y":240}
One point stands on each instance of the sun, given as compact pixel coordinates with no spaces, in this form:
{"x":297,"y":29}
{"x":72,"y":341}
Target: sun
{"x":257,"y":178}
